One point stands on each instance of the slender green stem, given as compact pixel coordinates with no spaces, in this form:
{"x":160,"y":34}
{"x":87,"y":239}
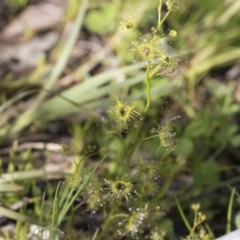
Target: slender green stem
{"x":196,"y":224}
{"x":166,"y":187}
{"x":210,"y":232}
{"x":68,"y":199}
{"x":195,"y":218}
{"x":108,"y":220}
{"x":155,"y":71}
{"x":128,"y":159}
{"x":134,"y":146}
{"x":163,"y":157}
{"x":218,"y":150}
{"x":119,"y":215}
{"x":95,"y":234}
{"x":55,"y":213}
{"x":144,"y":139}
{"x":42,"y":209}
{"x":192,"y":87}
{"x":183,"y":215}
{"x":148,"y":79}
{"x":137,"y":31}
{"x":122,"y":141}
{"x":129,"y":156}
{"x":229,"y":213}
{"x":161,"y":22}
{"x":193,"y":229}
{"x":159,"y":11}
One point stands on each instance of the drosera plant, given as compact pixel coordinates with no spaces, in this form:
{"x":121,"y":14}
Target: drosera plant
{"x":126,"y":190}
{"x":123,"y":114}
{"x":127,"y":204}
{"x":119,"y":188}
{"x":131,"y":224}
{"x":198,"y":231}
{"x":124,"y":213}
{"x":125,"y":123}
{"x":165,"y":133}
{"x":150,"y":50}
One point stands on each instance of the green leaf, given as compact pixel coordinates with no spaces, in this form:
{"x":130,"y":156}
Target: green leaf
{"x":206,"y":174}
{"x":84,"y":93}
{"x":167,"y":225}
{"x":225,"y":133}
{"x":185,"y":147}
{"x":235,"y":141}
{"x":103,"y":20}
{"x":17,"y":216}
{"x":197,"y":127}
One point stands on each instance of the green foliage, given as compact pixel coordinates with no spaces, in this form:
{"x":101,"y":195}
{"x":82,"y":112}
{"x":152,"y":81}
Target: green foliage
{"x":128,"y":163}
{"x":102,"y":20}
{"x":202,"y":178}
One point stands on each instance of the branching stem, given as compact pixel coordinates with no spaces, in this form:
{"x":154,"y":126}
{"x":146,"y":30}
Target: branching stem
{"x":159,"y":11}
{"x":164,"y":18}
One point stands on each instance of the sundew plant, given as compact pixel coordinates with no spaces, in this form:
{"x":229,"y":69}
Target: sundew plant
{"x":131,"y":191}
{"x":125,"y":189}
{"x":151,"y":51}
{"x":116,"y":188}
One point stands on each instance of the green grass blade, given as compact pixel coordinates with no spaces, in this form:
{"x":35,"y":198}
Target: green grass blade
{"x":183,"y":215}
{"x":9,"y":187}
{"x":8,"y":177}
{"x":16,"y":216}
{"x":12,"y":100}
{"x":82,"y":93}
{"x":27,"y":117}
{"x":229,"y":213}
{"x":95,"y":234}
{"x":67,"y":206}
